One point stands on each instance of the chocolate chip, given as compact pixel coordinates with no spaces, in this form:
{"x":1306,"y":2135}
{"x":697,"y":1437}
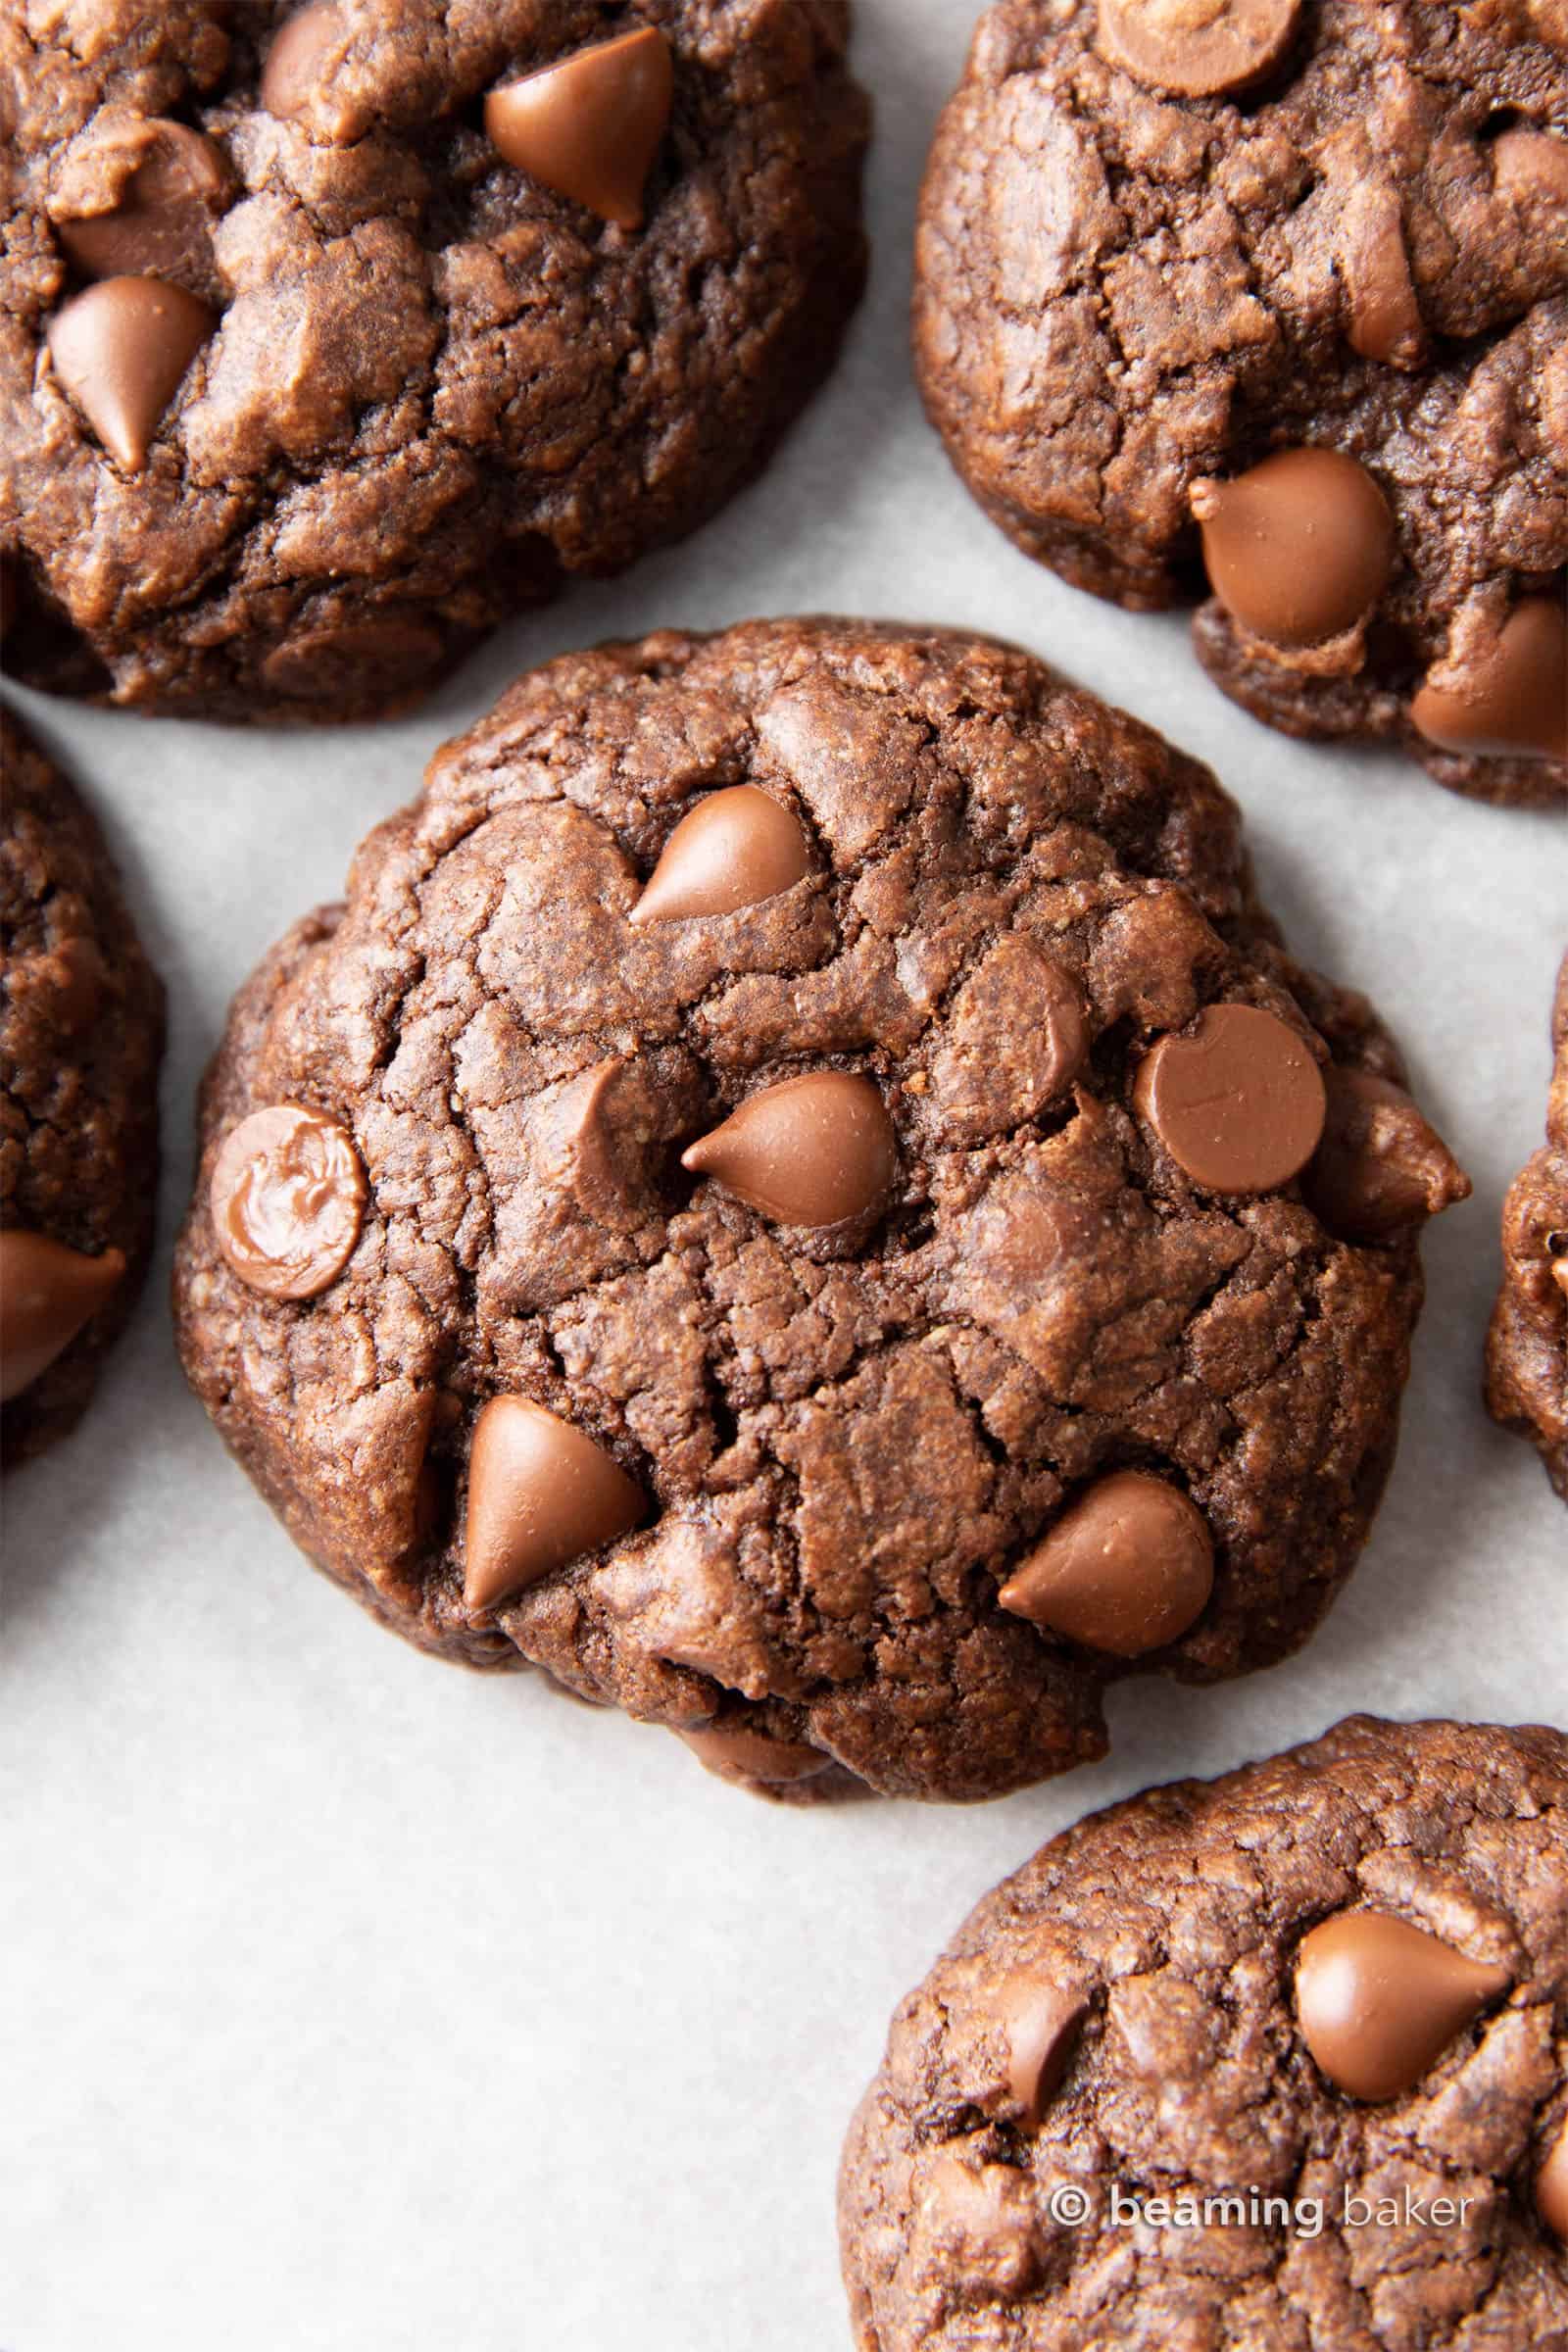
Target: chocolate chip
{"x":297,"y":78}
{"x":1369,"y":251}
{"x":1380,"y":1167}
{"x":1041,"y":2021}
{"x":735,"y":1753}
{"x":590,"y":126}
{"x":1237,"y":1101}
{"x":1551,"y":2189}
{"x":1297,"y":548}
{"x":1531,"y":166}
{"x":736,"y":848}
{"x":1510,"y":697}
{"x":812,"y":1150}
{"x":120,"y":349}
{"x":287,"y":1198}
{"x":540,"y":1494}
{"x":1128,"y":1567}
{"x":47,"y":1292}
{"x":1195,"y":48}
{"x":161,"y":226}
{"x":1379,"y":2001}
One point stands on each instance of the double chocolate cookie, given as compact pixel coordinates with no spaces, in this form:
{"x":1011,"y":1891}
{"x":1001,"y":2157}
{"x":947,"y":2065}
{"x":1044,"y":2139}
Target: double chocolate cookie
{"x":802,"y":1194}
{"x":81,"y":1021}
{"x":330,"y":336}
{"x":1279,"y":292}
{"x":1527,"y":1345}
{"x":1277,"y":2061}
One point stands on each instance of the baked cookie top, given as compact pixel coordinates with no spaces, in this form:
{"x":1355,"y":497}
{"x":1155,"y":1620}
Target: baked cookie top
{"x":1284,"y":288}
{"x":1527,"y":1345}
{"x":330,"y":335}
{"x":801,"y":1193}
{"x":1278,"y":2059}
{"x":81,"y":1018}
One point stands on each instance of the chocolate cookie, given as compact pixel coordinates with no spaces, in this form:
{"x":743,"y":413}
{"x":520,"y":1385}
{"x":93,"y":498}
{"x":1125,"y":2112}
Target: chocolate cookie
{"x":81,"y":1032}
{"x":1277,"y":2061}
{"x":332,"y":335}
{"x":1527,"y":1345}
{"x":1281,"y":291}
{"x":802,"y":1194}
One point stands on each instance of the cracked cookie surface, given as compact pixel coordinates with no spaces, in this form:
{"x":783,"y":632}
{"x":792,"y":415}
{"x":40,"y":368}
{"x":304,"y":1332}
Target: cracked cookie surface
{"x":802,"y":1459}
{"x":1130,"y":295}
{"x":394,"y":386}
{"x":1141,"y":2012}
{"x":81,"y":1021}
{"x":1527,"y":1345}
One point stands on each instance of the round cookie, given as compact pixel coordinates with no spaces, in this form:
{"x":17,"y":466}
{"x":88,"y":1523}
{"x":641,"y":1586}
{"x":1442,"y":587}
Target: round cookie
{"x":1281,"y":292}
{"x":82,"y":1031}
{"x":1273,"y":2061}
{"x":334,"y":335}
{"x":700,"y":1220}
{"x":1527,"y":1345}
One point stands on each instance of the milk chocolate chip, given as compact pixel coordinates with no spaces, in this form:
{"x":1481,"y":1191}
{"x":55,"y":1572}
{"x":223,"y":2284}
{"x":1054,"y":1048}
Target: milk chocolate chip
{"x":1511,"y":699}
{"x":1551,"y":2189}
{"x":1237,"y":1101}
{"x":1531,"y":166}
{"x":1128,"y":1567}
{"x":735,"y":1753}
{"x":1380,"y":1167}
{"x":1041,"y":2021}
{"x":735,"y":849}
{"x":1195,"y":48}
{"x":540,"y":1494}
{"x":47,"y":1292}
{"x":287,"y":1199}
{"x":120,"y":349}
{"x":812,"y":1150}
{"x":590,"y":126}
{"x":162,"y":223}
{"x":1379,"y":2001}
{"x":1297,"y":548}
{"x":297,"y":79}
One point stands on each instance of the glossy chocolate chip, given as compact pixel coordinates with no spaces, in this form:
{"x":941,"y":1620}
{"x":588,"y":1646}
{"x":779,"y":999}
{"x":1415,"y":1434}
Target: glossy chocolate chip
{"x":1128,"y":1567}
{"x":47,"y":1292}
{"x":736,"y":848}
{"x":163,"y":223}
{"x":119,"y":350}
{"x":1237,"y":1100}
{"x":813,"y":1150}
{"x":1374,"y":264}
{"x":287,"y":1198}
{"x":735,"y":1753}
{"x":297,"y":78}
{"x":1551,"y":2189}
{"x":590,"y":126}
{"x":1041,"y":2022}
{"x":1380,"y":1167}
{"x":1195,"y":48}
{"x":1300,"y":548}
{"x":540,"y":1494}
{"x":1511,"y":699}
{"x":1379,"y":2001}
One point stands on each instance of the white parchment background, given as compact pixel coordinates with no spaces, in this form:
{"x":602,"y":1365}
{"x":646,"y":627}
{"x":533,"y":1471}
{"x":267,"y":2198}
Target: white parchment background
{"x":349,"y":2001}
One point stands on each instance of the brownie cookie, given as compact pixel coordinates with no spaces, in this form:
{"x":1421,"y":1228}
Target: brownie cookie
{"x":332,"y":335}
{"x":1276,"y":2062}
{"x":1527,"y":1345}
{"x":802,"y":1194}
{"x":1279,"y":292}
{"x":81,"y":1033}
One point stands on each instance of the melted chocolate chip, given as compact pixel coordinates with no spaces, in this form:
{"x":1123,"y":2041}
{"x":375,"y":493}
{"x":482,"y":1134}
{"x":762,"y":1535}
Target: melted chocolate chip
{"x":120,"y":349}
{"x":1042,"y":2021}
{"x":540,"y":1495}
{"x":161,"y":226}
{"x":287,"y":1199}
{"x":1379,"y":2001}
{"x":590,"y":126}
{"x":1510,"y":701}
{"x":47,"y":1292}
{"x":734,"y":1753}
{"x":1300,"y":548}
{"x":1237,"y":1101}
